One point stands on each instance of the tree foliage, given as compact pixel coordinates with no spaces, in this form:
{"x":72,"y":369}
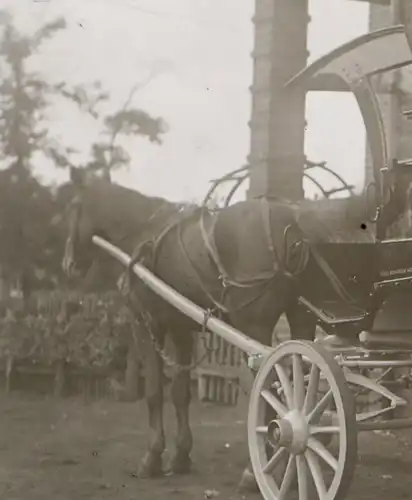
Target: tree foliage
{"x":23,"y":93}
{"x":107,"y":155}
{"x":84,"y":330}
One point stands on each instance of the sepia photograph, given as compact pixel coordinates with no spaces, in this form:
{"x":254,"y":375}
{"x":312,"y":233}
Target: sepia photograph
{"x":205,"y":249}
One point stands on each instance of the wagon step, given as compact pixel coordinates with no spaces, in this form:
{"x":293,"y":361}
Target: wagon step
{"x":393,"y":339}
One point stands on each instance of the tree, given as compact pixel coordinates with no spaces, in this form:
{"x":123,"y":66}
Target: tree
{"x":23,"y":94}
{"x":25,"y":205}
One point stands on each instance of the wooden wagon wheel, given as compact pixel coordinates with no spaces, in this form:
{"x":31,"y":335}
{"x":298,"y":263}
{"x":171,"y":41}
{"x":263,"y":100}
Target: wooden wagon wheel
{"x":306,"y":388}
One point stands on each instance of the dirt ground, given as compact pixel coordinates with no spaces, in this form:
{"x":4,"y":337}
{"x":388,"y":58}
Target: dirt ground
{"x":72,"y":450}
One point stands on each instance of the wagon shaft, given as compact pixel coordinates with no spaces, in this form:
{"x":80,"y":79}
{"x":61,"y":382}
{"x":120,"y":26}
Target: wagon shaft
{"x":184,"y":305}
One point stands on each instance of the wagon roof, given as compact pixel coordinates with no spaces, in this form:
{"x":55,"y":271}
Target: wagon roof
{"x":355,"y":63}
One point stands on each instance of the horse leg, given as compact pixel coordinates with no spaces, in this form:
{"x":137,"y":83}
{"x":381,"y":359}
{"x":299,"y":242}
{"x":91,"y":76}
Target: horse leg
{"x":248,"y":482}
{"x":181,"y":397}
{"x":302,"y":323}
{"x":151,"y":465}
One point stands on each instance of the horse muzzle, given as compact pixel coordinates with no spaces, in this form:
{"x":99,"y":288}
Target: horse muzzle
{"x":69,"y":267}
{"x":68,"y":264}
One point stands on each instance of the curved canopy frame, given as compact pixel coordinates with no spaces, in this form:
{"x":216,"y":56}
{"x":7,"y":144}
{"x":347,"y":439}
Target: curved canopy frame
{"x":355,"y":63}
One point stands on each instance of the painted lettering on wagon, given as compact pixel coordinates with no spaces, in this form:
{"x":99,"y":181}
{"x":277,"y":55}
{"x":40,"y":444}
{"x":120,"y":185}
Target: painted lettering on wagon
{"x":394,"y":272}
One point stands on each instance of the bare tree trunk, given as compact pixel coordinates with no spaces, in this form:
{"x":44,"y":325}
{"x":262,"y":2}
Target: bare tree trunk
{"x":60,"y":379}
{"x":4,"y":286}
{"x":4,"y":298}
{"x":10,"y":370}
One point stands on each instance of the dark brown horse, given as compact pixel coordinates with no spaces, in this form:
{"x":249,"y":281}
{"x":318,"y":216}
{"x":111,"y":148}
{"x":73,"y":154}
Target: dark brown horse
{"x":236,"y":262}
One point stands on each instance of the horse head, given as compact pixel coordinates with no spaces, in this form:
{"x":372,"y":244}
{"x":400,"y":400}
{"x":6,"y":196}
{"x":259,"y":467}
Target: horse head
{"x":103,"y":208}
{"x":79,"y":252}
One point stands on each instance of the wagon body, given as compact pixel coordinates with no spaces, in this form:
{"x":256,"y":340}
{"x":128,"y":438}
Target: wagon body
{"x":377,"y":277}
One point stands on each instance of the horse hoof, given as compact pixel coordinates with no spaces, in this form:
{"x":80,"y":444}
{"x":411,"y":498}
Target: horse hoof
{"x":150,"y":467}
{"x":248,"y":482}
{"x":181,"y":464}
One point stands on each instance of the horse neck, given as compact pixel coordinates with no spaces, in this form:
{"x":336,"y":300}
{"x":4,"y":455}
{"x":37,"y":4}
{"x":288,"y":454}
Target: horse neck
{"x":121,"y":214}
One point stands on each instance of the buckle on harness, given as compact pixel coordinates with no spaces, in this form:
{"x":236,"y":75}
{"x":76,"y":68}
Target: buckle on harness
{"x":223,"y":281}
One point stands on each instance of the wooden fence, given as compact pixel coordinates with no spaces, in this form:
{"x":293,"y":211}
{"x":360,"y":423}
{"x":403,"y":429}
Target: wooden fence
{"x":90,"y":384}
{"x":220,"y":372}
{"x":223,"y":376}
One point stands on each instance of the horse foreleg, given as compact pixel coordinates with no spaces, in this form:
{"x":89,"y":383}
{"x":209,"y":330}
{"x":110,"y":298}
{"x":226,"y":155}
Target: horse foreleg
{"x":181,"y":397}
{"x":151,"y":465}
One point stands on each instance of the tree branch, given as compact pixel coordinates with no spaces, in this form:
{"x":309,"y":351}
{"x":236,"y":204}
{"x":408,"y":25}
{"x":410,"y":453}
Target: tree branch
{"x":138,"y":86}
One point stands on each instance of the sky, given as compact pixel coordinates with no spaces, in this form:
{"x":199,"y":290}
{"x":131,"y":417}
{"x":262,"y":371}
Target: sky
{"x":198,"y":56}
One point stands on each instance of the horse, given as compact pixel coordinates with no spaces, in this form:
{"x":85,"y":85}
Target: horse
{"x":241,"y":262}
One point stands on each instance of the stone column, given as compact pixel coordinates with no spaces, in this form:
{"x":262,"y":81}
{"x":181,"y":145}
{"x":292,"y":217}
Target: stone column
{"x":278,"y":116}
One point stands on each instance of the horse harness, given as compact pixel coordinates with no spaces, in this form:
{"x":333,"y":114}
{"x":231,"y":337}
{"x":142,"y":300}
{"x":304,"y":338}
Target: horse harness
{"x":147,"y":251}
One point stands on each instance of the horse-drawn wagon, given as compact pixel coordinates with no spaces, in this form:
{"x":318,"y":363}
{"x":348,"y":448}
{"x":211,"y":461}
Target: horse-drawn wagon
{"x":302,"y":420}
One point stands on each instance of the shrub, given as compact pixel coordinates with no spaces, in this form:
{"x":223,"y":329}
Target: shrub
{"x":83,"y":330}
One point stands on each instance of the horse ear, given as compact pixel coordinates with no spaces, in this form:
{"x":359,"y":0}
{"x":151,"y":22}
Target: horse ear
{"x":77,"y":176}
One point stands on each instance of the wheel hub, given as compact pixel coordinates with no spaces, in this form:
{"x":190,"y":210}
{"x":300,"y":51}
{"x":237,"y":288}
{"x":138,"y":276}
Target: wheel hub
{"x":290,"y":432}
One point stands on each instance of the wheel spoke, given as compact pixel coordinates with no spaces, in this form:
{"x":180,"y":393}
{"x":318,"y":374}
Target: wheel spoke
{"x":303,"y":477}
{"x":290,"y":474}
{"x":285,"y":383}
{"x":319,"y":429}
{"x":323,"y":452}
{"x":274,"y":461}
{"x":320,"y":407}
{"x":298,"y":382}
{"x":316,"y":472}
{"x":274,"y":402}
{"x":312,"y":391}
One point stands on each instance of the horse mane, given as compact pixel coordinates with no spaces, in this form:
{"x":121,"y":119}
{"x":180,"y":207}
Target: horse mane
{"x":126,"y":197}
{"x":121,"y":213}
